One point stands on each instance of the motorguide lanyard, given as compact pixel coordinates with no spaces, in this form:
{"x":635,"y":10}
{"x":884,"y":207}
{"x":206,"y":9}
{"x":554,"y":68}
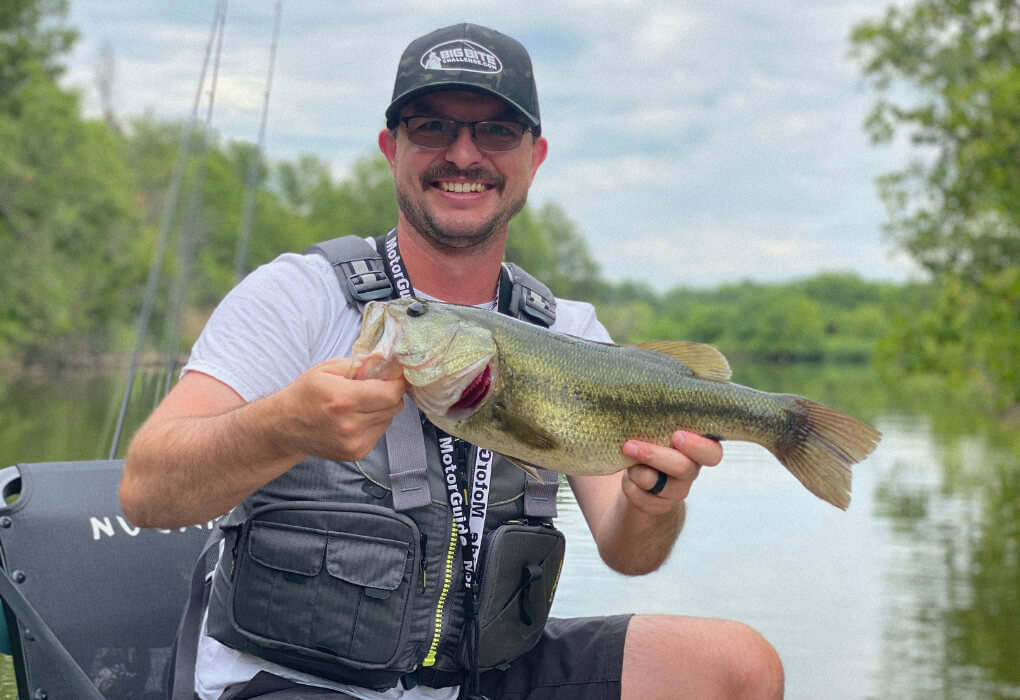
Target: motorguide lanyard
{"x":454,"y":454}
{"x":468,"y":494}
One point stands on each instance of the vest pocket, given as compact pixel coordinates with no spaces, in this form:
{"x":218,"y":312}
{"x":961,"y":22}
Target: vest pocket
{"x":326,"y":581}
{"x":517,"y":579}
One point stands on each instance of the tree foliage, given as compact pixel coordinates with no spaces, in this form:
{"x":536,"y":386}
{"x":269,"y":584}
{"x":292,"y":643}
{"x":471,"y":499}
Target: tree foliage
{"x":69,"y":226}
{"x":83,"y":203}
{"x":948,"y":76}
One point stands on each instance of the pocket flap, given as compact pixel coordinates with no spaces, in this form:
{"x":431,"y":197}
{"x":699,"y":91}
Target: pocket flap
{"x":287,"y":548}
{"x":372,"y":562}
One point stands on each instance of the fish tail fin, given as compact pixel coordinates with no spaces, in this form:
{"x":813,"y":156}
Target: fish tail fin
{"x":823,"y":447}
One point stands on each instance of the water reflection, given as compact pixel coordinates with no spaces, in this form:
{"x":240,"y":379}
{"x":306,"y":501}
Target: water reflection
{"x":913,"y":592}
{"x":954,"y":624}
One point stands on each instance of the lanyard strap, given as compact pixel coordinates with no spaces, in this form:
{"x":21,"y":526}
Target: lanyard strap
{"x":468,"y":493}
{"x":387,"y":246}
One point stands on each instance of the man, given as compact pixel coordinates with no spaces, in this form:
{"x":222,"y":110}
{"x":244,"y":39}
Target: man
{"x":267,"y":413}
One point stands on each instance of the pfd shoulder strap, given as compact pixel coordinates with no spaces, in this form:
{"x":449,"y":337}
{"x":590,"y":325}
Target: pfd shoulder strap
{"x":523,"y":296}
{"x":358,"y":267}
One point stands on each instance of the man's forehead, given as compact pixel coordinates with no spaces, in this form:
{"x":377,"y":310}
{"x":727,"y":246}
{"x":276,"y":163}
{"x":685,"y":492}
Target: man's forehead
{"x":442,"y":101}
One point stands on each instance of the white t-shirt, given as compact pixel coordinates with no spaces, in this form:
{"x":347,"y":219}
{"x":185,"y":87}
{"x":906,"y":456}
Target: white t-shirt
{"x":283,"y":318}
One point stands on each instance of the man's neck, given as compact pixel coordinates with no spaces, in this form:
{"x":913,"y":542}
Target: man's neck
{"x":456,"y":275}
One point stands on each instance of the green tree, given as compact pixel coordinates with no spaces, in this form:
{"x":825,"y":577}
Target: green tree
{"x":948,"y":74}
{"x":546,"y":243}
{"x":33,"y":38}
{"x":69,"y":227}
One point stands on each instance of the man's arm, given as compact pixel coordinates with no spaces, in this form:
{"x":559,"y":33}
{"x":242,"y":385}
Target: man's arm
{"x":635,"y":530}
{"x":204,"y":449}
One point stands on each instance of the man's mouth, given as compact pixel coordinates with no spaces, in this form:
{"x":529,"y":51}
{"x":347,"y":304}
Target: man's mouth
{"x":454,"y":180}
{"x":463,"y":187}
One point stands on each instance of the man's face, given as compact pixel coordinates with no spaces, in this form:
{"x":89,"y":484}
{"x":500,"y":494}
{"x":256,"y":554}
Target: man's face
{"x":460,"y":196}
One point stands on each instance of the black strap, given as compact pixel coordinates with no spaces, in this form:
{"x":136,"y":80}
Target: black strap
{"x":523,"y":296}
{"x":359,"y":269}
{"x":185,"y":654}
{"x":81,"y":686}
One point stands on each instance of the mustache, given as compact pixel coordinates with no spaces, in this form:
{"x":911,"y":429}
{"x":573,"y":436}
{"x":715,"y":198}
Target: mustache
{"x":449,"y":172}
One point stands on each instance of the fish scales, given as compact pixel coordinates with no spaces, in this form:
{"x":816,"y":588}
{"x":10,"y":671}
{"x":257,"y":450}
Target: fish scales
{"x":566,"y":404}
{"x":597,"y":397}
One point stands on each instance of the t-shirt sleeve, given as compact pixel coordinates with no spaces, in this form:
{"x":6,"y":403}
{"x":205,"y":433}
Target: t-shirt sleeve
{"x":280,"y":320}
{"x":578,"y":318}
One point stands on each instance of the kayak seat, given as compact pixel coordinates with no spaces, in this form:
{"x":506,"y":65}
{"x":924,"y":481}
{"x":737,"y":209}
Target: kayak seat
{"x":91,"y":603}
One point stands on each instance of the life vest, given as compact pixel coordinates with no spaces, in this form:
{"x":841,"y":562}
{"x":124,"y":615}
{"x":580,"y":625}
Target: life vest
{"x":352,"y":571}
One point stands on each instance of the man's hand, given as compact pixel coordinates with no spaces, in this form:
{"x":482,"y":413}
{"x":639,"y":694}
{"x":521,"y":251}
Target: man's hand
{"x":634,"y":529}
{"x":204,"y":450}
{"x":328,"y":414}
{"x":680,"y":464}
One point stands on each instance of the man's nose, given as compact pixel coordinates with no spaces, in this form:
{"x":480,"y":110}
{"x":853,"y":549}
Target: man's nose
{"x":464,"y":152}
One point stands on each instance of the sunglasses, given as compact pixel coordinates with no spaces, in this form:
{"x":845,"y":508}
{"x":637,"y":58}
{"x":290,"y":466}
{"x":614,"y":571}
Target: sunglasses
{"x":436,"y":132}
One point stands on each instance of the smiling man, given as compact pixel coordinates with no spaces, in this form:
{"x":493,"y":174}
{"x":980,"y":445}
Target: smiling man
{"x":367,"y":554}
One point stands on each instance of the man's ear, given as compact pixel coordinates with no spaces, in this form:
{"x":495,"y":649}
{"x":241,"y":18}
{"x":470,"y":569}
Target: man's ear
{"x":539,"y":150}
{"x":388,"y":146}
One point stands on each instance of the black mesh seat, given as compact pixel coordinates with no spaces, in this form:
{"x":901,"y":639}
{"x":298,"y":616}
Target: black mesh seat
{"x":112,"y":594}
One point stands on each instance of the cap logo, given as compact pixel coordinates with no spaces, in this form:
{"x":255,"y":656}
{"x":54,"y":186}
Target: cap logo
{"x":461,"y":54}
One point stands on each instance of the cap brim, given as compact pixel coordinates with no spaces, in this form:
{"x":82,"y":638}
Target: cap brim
{"x":393,"y":111}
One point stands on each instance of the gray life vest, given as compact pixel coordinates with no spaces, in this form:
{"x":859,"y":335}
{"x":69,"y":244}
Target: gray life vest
{"x":351,"y":570}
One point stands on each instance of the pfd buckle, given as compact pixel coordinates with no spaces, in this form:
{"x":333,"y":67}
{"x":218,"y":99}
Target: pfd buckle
{"x":366,"y":279}
{"x":527,"y":301}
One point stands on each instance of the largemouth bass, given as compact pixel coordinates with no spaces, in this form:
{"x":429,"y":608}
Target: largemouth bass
{"x":558,"y":402}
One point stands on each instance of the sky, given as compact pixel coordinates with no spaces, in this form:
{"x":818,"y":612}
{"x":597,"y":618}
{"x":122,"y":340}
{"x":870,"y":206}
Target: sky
{"x":692,"y":142}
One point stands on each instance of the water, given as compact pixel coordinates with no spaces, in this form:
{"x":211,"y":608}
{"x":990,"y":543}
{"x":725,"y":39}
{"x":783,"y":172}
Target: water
{"x":913,"y":592}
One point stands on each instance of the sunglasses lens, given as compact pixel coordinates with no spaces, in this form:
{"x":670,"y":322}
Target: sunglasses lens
{"x":432,"y":132}
{"x":498,"y":136}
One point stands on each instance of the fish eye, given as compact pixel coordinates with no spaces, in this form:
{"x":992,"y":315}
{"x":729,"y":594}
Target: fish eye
{"x":416,"y":309}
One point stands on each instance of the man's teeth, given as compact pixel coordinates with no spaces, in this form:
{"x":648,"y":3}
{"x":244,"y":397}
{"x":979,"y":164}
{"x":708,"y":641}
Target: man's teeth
{"x":463,"y":186}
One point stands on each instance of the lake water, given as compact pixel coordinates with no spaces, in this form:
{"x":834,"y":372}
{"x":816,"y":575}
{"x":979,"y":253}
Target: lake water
{"x":914,"y":592}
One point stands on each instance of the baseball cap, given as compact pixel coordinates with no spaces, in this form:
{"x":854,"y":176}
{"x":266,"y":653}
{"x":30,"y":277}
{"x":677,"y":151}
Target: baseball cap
{"x":467,"y":57}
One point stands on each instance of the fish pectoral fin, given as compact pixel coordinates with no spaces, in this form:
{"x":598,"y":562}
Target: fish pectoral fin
{"x":527,"y":467}
{"x":524,"y":429}
{"x":703,"y":360}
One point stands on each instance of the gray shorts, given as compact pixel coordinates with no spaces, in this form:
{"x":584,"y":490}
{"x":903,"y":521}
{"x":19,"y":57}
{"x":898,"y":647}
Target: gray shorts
{"x":578,"y":658}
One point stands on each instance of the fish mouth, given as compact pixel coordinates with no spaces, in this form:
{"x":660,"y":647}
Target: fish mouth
{"x":475,"y":392}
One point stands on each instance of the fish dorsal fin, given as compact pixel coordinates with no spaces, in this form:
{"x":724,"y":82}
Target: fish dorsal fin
{"x":705,"y":361}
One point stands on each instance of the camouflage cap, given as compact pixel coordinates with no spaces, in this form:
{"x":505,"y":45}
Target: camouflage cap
{"x":467,"y":57}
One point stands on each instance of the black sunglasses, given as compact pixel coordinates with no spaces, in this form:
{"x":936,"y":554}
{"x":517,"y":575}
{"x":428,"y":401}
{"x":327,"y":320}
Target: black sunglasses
{"x":437,"y":132}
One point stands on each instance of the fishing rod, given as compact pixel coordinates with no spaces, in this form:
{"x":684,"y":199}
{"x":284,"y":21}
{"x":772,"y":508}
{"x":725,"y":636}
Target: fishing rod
{"x":187,"y":238}
{"x":178,"y":300}
{"x":155,"y":269}
{"x":248,"y":217}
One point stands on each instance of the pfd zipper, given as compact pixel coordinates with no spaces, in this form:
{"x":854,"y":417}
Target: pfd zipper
{"x":430,"y":657}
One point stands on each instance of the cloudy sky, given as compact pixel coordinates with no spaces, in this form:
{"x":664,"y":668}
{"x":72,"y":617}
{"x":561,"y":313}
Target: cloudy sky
{"x":693,"y":142}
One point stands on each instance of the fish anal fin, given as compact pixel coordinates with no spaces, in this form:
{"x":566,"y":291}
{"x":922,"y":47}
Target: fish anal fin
{"x":703,"y":360}
{"x":524,"y":429}
{"x":527,"y":467}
